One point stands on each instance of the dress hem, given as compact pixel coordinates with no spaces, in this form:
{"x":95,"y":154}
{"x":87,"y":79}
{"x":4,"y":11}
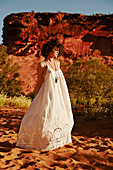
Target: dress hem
{"x":29,"y":148}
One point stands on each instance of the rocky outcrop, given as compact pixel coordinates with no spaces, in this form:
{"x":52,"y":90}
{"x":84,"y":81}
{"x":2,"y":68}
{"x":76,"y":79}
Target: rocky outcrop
{"x":82,"y":36}
{"x":25,"y":33}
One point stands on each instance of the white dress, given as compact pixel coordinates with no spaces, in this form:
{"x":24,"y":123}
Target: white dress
{"x":48,"y":122}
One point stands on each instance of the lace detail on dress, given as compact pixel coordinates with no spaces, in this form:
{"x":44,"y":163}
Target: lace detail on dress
{"x":59,"y":137}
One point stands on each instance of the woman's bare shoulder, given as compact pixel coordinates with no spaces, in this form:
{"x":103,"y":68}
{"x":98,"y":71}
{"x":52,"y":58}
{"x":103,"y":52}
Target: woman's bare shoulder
{"x":57,"y":61}
{"x":42,"y":64}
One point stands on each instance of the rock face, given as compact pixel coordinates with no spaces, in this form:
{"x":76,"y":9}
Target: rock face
{"x":25,"y":33}
{"x":82,"y":36}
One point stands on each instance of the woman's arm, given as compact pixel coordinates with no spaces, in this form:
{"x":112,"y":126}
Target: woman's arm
{"x":40,"y":78}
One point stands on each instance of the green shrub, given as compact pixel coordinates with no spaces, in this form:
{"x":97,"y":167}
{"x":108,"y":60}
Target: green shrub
{"x":90,"y":84}
{"x":19,"y":102}
{"x":3,"y":99}
{"x":8,"y":74}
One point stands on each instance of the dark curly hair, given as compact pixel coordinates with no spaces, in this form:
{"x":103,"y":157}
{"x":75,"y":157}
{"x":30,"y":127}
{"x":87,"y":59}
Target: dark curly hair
{"x":47,"y":47}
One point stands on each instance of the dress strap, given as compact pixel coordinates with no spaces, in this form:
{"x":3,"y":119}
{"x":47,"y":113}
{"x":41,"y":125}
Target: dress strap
{"x":52,"y":68}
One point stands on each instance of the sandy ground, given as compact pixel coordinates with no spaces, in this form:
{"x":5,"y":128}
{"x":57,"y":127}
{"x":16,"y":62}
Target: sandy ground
{"x":92,"y":146}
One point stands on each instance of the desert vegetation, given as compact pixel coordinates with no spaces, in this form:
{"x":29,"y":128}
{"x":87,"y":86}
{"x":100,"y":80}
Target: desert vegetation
{"x":10,"y":85}
{"x":90,"y":84}
{"x":9,"y":82}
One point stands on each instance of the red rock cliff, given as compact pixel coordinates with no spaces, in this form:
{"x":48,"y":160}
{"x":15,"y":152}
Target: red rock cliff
{"x":25,"y":33}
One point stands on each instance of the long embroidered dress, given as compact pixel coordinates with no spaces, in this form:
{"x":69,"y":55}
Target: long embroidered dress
{"x":48,"y":122}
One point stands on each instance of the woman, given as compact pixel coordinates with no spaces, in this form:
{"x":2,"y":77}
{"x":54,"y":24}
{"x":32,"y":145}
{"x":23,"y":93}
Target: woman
{"x":48,"y":122}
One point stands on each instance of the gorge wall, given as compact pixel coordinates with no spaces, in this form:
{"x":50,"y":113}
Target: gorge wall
{"x":82,"y":36}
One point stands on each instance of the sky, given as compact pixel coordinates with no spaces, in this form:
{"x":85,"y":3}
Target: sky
{"x":85,"y":7}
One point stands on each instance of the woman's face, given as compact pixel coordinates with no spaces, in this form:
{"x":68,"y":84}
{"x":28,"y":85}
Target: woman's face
{"x":55,"y":51}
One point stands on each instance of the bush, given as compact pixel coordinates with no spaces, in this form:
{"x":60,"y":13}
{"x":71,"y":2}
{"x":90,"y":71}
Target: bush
{"x":8,"y":74}
{"x":91,"y":85}
{"x":19,"y":102}
{"x":3,"y":99}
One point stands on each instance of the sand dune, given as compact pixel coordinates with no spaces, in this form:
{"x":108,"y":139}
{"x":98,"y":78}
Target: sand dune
{"x":92,"y":146}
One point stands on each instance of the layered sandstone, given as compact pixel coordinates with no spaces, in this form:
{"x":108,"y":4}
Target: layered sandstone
{"x":24,"y":33}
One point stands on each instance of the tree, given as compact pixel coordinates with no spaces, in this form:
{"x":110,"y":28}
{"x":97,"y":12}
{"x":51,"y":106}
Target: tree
{"x":8,"y":74}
